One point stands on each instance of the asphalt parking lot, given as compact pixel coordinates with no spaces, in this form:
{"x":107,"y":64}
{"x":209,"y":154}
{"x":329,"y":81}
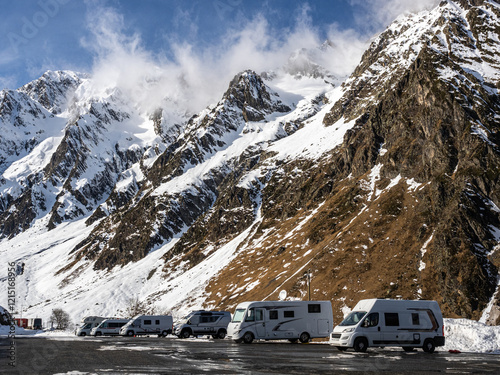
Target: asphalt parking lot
{"x":153,"y":355}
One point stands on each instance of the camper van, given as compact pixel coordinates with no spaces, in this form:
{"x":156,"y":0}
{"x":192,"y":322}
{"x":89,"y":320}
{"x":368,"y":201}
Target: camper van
{"x":197,"y":323}
{"x":87,"y":324}
{"x":35,"y":323}
{"x":281,"y":320}
{"x":382,"y":322}
{"x":160,"y":325}
{"x":109,"y":327}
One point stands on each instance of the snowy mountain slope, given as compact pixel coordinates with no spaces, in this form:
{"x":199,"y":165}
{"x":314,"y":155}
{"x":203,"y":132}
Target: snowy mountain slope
{"x":213,"y":141}
{"x":87,"y":147}
{"x":386,"y":186}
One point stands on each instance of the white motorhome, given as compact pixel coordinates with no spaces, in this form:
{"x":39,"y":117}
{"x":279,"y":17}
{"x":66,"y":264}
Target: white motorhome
{"x":383,"y":322}
{"x":281,"y":320}
{"x":160,"y":325}
{"x":87,"y":324}
{"x":109,"y":327}
{"x":202,"y":322}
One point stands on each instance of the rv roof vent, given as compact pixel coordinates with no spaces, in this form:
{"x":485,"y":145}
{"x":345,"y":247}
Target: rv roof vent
{"x":282,"y":295}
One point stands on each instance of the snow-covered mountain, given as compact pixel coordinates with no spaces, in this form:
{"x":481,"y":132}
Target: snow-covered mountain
{"x":384,"y":186}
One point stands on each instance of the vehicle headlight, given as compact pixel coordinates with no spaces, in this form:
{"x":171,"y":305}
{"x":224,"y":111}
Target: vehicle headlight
{"x":347,"y":330}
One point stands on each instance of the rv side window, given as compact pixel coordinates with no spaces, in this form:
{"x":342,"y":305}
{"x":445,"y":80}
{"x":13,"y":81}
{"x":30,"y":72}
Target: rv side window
{"x":314,"y":308}
{"x":415,"y":319}
{"x":391,"y":319}
{"x":289,"y":314}
{"x":273,"y":314}
{"x":157,"y":322}
{"x":250,"y":316}
{"x":259,"y":314}
{"x":147,"y":322}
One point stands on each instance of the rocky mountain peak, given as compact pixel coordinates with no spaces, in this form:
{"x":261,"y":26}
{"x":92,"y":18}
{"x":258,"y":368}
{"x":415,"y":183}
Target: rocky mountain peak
{"x":53,"y":88}
{"x":253,"y":96}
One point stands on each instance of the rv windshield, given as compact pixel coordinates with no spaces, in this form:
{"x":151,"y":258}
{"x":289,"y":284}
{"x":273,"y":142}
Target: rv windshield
{"x":238,"y":316}
{"x":353,"y":318}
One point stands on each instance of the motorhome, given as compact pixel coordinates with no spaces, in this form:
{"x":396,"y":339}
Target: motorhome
{"x":202,"y":322}
{"x":87,"y":324}
{"x":281,"y":320}
{"x":160,"y":325}
{"x":383,"y":322}
{"x":109,"y":327}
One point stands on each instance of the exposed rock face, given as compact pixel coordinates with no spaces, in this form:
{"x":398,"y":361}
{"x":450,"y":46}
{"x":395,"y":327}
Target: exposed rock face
{"x":398,"y":195}
{"x":167,"y":205}
{"x":409,"y":202}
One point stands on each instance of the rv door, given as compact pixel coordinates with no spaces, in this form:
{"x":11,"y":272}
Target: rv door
{"x":370,"y":328}
{"x":256,"y":315}
{"x":260,"y":324}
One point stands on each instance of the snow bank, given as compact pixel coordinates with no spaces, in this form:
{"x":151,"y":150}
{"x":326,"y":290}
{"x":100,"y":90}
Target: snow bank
{"x":471,"y":336}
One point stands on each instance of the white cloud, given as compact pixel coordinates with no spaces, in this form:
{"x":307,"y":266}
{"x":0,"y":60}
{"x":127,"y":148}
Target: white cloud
{"x":7,"y":82}
{"x":374,"y":15}
{"x":195,"y":76}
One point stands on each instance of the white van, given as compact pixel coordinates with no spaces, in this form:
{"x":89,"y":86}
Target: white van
{"x":278,"y":320}
{"x":109,"y":327}
{"x":87,"y":324}
{"x":203,"y":323}
{"x":35,"y":323}
{"x":148,"y":325}
{"x":383,"y":322}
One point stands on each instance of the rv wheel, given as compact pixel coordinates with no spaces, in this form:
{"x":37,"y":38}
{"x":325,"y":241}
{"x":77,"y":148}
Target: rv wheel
{"x":221,"y":334}
{"x":248,"y":338}
{"x":164,"y":333}
{"x":130,"y":333}
{"x":98,"y":333}
{"x":185,"y":333}
{"x":429,"y":346}
{"x":360,"y":344}
{"x":304,"y":337}
{"x":83,"y":334}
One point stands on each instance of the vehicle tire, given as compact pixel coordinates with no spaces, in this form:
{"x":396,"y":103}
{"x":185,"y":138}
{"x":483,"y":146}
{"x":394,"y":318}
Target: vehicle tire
{"x":408,"y":348}
{"x":248,"y":338}
{"x":221,"y":334}
{"x":130,"y":333}
{"x":293,"y":341}
{"x":83,"y":334}
{"x":304,"y":337}
{"x":185,"y":333}
{"x":164,"y":333}
{"x":429,"y":346}
{"x":360,"y":344}
{"x":342,"y":348}
{"x":98,"y":333}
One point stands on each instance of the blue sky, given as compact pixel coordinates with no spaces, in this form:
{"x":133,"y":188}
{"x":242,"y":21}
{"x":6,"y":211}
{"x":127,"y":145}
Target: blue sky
{"x":85,"y":35}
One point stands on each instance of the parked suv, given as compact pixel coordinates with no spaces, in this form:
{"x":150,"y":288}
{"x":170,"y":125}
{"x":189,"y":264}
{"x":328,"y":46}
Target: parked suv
{"x":199,"y":323}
